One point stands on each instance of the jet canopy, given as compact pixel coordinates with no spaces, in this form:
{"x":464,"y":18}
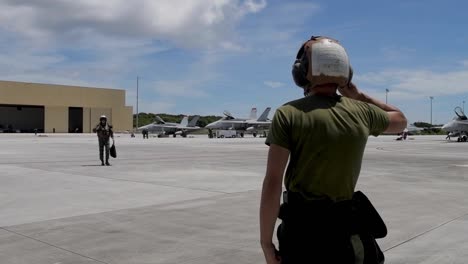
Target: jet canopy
{"x":159,"y":120}
{"x":459,"y":112}
{"x":228,"y":115}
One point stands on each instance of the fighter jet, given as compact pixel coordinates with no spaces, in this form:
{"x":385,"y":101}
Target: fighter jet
{"x":229,"y":122}
{"x":166,"y":128}
{"x":252,"y":124}
{"x":458,"y":126}
{"x":261,"y":124}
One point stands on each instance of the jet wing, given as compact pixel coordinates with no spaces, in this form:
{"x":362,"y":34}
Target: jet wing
{"x":259,"y":123}
{"x":234,"y":121}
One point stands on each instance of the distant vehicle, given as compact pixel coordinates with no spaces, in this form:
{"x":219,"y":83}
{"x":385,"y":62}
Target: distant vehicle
{"x":163,"y":128}
{"x":226,"y":133}
{"x":458,"y":126}
{"x":251,"y":125}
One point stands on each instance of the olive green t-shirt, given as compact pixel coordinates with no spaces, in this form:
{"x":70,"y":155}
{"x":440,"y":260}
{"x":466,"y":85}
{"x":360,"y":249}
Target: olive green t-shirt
{"x":326,"y":137}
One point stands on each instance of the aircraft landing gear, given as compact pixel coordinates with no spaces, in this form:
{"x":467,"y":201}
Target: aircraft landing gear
{"x":463,"y":138}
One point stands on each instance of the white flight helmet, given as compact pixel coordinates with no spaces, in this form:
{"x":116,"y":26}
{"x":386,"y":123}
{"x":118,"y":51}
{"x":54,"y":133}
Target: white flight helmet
{"x":321,"y":60}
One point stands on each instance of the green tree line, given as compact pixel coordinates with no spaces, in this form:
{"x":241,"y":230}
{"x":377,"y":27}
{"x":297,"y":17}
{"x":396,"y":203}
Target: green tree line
{"x":430,"y":129}
{"x":148,"y":118}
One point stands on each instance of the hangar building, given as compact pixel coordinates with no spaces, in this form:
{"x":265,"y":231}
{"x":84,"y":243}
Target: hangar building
{"x":50,"y":108}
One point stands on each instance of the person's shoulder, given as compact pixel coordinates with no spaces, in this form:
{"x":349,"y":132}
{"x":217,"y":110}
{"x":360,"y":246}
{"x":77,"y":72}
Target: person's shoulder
{"x":296,"y":102}
{"x":293,"y":105}
{"x":286,"y":109}
{"x":349,"y":102}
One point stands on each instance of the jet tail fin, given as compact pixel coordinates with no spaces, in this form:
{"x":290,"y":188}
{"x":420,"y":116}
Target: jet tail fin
{"x":264,"y":116}
{"x":194,"y":121}
{"x":253,"y":114}
{"x":184,"y":121}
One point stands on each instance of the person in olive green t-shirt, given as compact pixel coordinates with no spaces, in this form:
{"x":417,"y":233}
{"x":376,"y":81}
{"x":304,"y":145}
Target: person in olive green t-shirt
{"x":323,"y":136}
{"x":326,"y":136}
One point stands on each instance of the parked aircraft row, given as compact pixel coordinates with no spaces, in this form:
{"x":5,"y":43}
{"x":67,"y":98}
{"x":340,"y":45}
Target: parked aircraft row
{"x":251,"y":125}
{"x":458,"y":127}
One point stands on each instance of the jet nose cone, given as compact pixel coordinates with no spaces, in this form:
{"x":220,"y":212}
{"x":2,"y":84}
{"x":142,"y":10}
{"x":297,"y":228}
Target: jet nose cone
{"x":211,"y":125}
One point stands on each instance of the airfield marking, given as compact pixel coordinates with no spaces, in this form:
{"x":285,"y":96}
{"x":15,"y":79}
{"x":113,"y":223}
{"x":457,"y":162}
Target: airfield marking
{"x":425,"y":232}
{"x":54,"y":246}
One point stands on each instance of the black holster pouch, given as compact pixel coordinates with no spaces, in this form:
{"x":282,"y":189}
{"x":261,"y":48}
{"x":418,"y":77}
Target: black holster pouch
{"x":369,"y":220}
{"x":324,"y":224}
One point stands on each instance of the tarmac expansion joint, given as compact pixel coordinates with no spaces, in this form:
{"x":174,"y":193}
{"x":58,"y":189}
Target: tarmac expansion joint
{"x":425,"y":232}
{"x":51,"y":245}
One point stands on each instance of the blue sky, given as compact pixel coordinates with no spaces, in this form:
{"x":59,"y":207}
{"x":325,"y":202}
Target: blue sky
{"x":206,"y":56}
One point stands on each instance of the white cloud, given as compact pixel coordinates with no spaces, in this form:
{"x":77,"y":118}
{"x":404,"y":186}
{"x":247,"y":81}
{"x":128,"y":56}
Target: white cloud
{"x":179,"y":88}
{"x":156,"y":107}
{"x":231,"y":46}
{"x":396,"y":53}
{"x":273,"y":84}
{"x":255,"y":6}
{"x":146,"y":105}
{"x":194,"y":23}
{"x":276,"y":29}
{"x":414,"y":83}
{"x":100,"y":43}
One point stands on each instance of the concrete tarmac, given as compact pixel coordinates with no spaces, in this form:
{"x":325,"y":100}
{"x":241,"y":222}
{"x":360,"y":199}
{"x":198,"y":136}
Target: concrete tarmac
{"x":196,"y":200}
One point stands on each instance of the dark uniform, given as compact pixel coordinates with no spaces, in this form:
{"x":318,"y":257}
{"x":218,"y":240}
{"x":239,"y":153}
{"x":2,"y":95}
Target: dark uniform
{"x":104,"y":132}
{"x":326,"y":137}
{"x":145,"y":133}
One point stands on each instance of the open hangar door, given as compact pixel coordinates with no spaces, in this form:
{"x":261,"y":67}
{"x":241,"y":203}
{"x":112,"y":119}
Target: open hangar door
{"x":21,"y":118}
{"x":75,"y":120}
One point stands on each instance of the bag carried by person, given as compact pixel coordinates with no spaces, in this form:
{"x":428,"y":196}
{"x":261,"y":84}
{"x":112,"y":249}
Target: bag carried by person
{"x":113,"y":151}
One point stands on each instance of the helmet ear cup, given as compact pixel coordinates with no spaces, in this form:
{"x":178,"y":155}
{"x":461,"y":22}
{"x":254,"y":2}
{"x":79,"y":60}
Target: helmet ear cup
{"x":351,"y":72}
{"x":299,"y":69}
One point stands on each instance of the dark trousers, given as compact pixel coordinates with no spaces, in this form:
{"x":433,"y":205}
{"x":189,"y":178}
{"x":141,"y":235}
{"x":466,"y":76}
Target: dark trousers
{"x":322,"y":234}
{"x":104,"y":144}
{"x":298,"y":245}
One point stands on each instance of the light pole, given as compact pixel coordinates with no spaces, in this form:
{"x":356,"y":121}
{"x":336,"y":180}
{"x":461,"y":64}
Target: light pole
{"x":386,"y":95}
{"x":432,"y":98}
{"x":137,"y":113}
